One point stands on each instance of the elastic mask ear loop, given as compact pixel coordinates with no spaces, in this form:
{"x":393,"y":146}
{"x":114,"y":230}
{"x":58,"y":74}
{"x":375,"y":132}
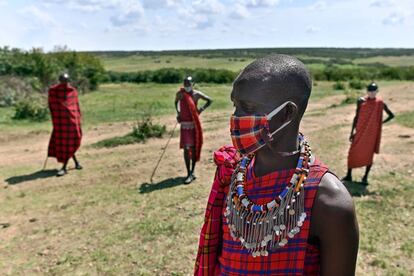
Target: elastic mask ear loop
{"x":277,"y":110}
{"x":282,"y":153}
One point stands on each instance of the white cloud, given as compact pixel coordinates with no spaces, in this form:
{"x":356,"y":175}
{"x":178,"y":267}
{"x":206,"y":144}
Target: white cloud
{"x":394,"y":19}
{"x":208,"y":7}
{"x":318,"y":6}
{"x":239,"y":12}
{"x":382,"y":3}
{"x":38,"y":15}
{"x":312,"y":29}
{"x":261,"y":3}
{"x":202,"y":22}
{"x":160,"y":4}
{"x":124,"y":12}
{"x":83,"y":5}
{"x":127,"y":18}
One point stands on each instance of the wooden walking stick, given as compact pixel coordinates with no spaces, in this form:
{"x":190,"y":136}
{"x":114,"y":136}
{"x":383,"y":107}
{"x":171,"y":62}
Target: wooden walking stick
{"x":162,"y":154}
{"x":45,"y":163}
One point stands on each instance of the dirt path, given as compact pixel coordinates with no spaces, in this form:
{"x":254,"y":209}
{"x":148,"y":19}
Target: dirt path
{"x":53,"y":201}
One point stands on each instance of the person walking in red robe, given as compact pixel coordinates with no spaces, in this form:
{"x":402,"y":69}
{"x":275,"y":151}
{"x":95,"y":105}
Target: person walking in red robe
{"x":66,"y":118}
{"x":365,"y":135}
{"x":191,"y":134}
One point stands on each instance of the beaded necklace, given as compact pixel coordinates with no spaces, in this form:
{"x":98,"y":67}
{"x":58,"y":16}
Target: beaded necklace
{"x":261,"y":228}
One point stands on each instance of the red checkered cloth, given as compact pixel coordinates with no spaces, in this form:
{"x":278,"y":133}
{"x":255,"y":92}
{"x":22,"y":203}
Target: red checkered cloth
{"x":367,"y":137}
{"x":226,"y":159}
{"x":66,"y":118}
{"x":219,"y":255}
{"x":243,"y":126}
{"x":189,"y":112}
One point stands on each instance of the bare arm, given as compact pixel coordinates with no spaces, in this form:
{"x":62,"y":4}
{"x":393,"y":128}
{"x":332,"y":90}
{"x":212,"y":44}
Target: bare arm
{"x":178,"y":97}
{"x":389,"y":113}
{"x":335,"y":225}
{"x":360,"y":101}
{"x":206,"y":98}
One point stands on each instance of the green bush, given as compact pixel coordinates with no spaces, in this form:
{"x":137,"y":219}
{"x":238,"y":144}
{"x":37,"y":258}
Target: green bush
{"x":32,"y":109}
{"x":143,"y":130}
{"x":147,"y":129}
{"x":356,"y":84}
{"x":172,"y":75}
{"x":338,"y":85}
{"x":351,"y":97}
{"x":13,"y":89}
{"x":85,"y":69}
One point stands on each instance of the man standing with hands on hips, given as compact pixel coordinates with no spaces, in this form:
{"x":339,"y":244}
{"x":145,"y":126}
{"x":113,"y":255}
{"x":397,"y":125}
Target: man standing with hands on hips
{"x":191,"y":134}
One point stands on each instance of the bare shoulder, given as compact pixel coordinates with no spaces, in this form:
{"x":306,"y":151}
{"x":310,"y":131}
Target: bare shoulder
{"x":178,"y":95}
{"x":335,"y":226}
{"x":333,"y":201}
{"x":199,"y":94}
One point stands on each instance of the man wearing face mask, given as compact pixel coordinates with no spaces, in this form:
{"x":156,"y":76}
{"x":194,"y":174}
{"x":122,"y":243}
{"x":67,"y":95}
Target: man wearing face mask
{"x":274,"y":208}
{"x":66,"y":118}
{"x":366,"y":132}
{"x":191,"y":134}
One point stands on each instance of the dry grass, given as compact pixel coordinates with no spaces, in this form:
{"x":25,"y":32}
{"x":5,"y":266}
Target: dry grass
{"x":108,"y":220}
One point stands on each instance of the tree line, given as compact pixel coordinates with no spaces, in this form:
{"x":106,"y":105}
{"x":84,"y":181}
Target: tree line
{"x":85,"y":70}
{"x":329,"y":73}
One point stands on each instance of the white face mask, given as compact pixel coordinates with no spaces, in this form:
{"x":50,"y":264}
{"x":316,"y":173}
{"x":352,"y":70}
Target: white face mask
{"x":188,"y":89}
{"x":372,"y":94}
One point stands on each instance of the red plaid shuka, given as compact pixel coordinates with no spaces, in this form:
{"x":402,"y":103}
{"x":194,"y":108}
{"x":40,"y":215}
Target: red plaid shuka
{"x":188,"y":106}
{"x":367,"y":137}
{"x":218,"y":254}
{"x":66,"y":117}
{"x":253,"y":129}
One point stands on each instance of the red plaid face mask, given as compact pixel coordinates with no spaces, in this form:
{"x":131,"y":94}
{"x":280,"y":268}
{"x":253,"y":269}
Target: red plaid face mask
{"x":250,"y":133}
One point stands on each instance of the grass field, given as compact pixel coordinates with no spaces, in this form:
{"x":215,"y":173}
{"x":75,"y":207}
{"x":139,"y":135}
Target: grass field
{"x":388,"y":60}
{"x":137,"y":62}
{"x":109,"y":220}
{"x":140,"y":63}
{"x":128,"y":102}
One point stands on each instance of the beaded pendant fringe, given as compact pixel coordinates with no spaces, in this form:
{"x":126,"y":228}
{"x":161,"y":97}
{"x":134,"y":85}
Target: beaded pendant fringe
{"x":261,"y":230}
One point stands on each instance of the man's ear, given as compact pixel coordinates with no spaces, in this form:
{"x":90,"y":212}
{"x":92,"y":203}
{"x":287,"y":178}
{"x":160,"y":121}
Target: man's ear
{"x":291,"y":111}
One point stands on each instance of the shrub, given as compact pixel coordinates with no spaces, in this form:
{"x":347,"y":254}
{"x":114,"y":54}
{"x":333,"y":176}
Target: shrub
{"x":147,"y":129}
{"x":143,"y":130}
{"x":338,"y":86}
{"x":13,"y":89}
{"x":32,"y":109}
{"x":172,"y":75}
{"x":351,"y":97}
{"x":356,"y":84}
{"x":85,"y":69}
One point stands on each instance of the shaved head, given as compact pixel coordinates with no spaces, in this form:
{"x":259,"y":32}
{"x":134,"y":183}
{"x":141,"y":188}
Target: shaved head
{"x":272,"y":80}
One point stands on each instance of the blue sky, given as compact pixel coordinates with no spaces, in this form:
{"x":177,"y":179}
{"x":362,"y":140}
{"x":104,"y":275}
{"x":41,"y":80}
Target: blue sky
{"x":208,"y":24}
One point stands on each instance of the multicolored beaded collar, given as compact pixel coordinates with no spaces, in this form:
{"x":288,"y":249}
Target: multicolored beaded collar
{"x":261,"y":228}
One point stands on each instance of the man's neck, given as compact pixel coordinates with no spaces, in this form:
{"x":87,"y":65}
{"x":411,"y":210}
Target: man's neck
{"x":269,"y":159}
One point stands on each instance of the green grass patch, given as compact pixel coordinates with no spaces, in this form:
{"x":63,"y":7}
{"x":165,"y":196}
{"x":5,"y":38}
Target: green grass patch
{"x":403,"y":60}
{"x":406,"y":119}
{"x":144,"y":62}
{"x":124,"y":102}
